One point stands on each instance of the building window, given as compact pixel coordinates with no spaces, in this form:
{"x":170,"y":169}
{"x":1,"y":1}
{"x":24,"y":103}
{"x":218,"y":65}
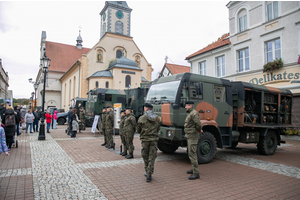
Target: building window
{"x":243,"y":23}
{"x":119,"y":54}
{"x":138,"y":60}
{"x":220,"y":66}
{"x":107,"y":84}
{"x":127,"y":81}
{"x":119,"y":27}
{"x":273,"y":50}
{"x":96,"y":84}
{"x":272,"y":10}
{"x":202,"y":68}
{"x":243,"y":59}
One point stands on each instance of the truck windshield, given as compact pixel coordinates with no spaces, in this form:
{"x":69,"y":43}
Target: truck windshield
{"x":163,"y":91}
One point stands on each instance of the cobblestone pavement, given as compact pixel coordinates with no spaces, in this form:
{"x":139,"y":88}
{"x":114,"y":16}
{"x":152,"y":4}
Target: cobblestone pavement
{"x":64,"y":168}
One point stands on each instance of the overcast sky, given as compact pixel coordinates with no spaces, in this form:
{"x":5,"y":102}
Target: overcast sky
{"x":160,"y":28}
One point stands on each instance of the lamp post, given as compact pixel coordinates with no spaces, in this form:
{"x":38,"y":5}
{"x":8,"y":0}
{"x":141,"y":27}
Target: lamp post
{"x":45,"y":65}
{"x":35,"y":86}
{"x":32,"y":97}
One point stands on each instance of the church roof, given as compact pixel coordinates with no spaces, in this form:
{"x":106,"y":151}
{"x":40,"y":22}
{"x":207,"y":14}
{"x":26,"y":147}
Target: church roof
{"x":124,"y":63}
{"x":144,"y":80}
{"x":122,"y":5}
{"x":102,"y":74}
{"x":63,"y":56}
{"x":224,"y":40}
{"x":176,"y":69}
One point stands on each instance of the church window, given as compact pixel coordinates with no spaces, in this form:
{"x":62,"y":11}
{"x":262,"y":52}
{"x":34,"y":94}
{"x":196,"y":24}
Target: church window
{"x":96,"y":84}
{"x":100,"y":55}
{"x":127,"y":81}
{"x":138,"y":60}
{"x":104,"y":28}
{"x":107,"y":84}
{"x":119,"y":27}
{"x":119,"y":54}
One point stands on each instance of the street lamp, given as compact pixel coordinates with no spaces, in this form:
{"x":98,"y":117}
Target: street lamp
{"x":32,"y":97}
{"x":45,"y":65}
{"x":35,"y":86}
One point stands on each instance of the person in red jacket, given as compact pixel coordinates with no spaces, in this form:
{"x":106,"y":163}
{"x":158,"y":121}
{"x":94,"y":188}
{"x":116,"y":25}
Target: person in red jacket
{"x":48,"y":117}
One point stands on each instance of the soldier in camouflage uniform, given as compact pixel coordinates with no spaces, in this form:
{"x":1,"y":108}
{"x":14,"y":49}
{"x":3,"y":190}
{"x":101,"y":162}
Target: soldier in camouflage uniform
{"x":192,"y":129}
{"x":129,"y":130}
{"x":109,"y":127}
{"x":82,"y":118}
{"x":148,"y":127}
{"x":121,"y":132}
{"x":103,"y":125}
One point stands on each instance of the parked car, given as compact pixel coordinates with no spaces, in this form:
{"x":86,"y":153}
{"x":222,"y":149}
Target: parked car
{"x":62,"y":118}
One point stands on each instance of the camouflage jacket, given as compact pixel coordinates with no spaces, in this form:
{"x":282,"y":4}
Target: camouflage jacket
{"x":192,"y":125}
{"x":148,"y":126}
{"x":103,"y":120}
{"x":81,"y":116}
{"x":129,"y":124}
{"x":121,"y":125}
{"x":109,"y":121}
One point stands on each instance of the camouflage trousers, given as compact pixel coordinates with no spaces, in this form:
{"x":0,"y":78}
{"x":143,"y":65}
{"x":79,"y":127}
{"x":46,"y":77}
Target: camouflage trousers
{"x":192,"y":148}
{"x":129,"y":141}
{"x":123,"y":142}
{"x":109,"y":137}
{"x":149,"y":154}
{"x":104,"y":135}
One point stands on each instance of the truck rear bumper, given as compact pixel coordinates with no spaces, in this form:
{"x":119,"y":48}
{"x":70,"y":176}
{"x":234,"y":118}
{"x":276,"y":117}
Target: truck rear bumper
{"x":170,"y":133}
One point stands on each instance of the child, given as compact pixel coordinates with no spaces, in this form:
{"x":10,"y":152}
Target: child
{"x":75,"y":125}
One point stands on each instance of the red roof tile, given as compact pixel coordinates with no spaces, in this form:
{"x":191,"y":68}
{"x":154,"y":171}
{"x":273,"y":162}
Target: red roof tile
{"x":177,"y":69}
{"x":63,"y":56}
{"x":219,"y":43}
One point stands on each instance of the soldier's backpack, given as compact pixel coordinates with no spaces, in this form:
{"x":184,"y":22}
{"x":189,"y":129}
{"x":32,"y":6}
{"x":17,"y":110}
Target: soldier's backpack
{"x":10,"y":120}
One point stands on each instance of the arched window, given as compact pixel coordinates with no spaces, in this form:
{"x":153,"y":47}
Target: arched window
{"x":242,"y":20}
{"x":119,"y":27}
{"x":127,"y":81}
{"x":107,"y":84}
{"x":96,"y":84}
{"x":74,"y":83}
{"x":118,"y":54}
{"x":138,"y":60}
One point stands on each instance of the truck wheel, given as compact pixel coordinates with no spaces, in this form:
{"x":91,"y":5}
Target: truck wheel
{"x":61,"y":121}
{"x":267,"y":145}
{"x":166,"y":148}
{"x":206,"y":147}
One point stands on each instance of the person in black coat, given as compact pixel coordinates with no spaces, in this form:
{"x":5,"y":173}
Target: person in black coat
{"x":19,"y":117}
{"x":2,"y":110}
{"x":9,"y":130}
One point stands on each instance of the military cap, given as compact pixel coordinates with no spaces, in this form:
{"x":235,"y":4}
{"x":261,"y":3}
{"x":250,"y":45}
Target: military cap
{"x":103,"y":107}
{"x":148,"y":105}
{"x":189,"y":102}
{"x":122,"y":111}
{"x":128,"y":108}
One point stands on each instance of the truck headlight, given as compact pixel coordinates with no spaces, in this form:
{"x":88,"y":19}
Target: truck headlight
{"x":169,"y":134}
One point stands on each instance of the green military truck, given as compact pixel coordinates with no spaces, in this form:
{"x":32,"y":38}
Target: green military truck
{"x":230,"y":112}
{"x":97,"y":98}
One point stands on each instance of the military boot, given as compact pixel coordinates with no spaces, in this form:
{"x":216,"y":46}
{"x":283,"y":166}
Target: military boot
{"x":189,"y":172}
{"x":129,"y":156}
{"x":149,"y":178}
{"x":124,"y":153}
{"x":194,"y":176}
{"x":106,"y":145}
{"x":103,"y":144}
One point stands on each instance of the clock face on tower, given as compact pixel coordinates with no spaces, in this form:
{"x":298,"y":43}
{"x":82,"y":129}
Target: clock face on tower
{"x":104,"y":16}
{"x":119,"y":14}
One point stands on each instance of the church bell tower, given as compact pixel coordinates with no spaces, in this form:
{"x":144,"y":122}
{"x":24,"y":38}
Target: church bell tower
{"x":115,"y":18}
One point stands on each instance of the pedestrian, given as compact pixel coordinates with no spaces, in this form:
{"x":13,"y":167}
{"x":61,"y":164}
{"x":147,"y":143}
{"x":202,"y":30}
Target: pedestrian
{"x":48,"y":117}
{"x":109,"y":127}
{"x":2,"y":109}
{"x":148,"y":127}
{"x":9,"y":120}
{"x":54,"y":118}
{"x":3,"y":146}
{"x":121,"y":132}
{"x":82,"y":119}
{"x":129,"y":130}
{"x":37,"y":117}
{"x":29,"y":118}
{"x":103,"y":125}
{"x":74,"y":120}
{"x":192,"y":129}
{"x":23,"y":113}
{"x":69,"y":121}
{"x":16,"y":109}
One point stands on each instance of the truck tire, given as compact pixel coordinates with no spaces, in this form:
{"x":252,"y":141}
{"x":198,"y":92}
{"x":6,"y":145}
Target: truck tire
{"x":61,"y":121}
{"x":206,"y":147}
{"x":267,"y":145}
{"x":166,"y":148}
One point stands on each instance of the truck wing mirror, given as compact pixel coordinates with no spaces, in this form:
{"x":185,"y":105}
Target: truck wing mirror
{"x":198,"y":88}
